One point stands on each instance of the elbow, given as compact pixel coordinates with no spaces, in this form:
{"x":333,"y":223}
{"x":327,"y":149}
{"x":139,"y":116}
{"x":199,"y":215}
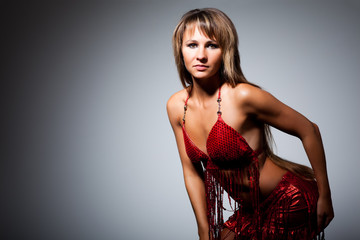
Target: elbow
{"x":189,"y":178}
{"x":315,"y":128}
{"x":310,"y":131}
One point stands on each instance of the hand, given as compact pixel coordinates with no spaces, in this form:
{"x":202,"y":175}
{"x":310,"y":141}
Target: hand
{"x":325,"y":212}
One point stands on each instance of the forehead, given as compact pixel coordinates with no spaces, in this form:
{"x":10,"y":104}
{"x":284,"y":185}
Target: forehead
{"x":194,"y":30}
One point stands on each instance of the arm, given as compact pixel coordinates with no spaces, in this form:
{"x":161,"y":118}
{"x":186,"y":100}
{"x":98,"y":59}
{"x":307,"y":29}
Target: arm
{"x":192,"y":173}
{"x":268,"y":109}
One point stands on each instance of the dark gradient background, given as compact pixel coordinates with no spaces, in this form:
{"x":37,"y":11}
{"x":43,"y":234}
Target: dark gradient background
{"x":86,"y":149}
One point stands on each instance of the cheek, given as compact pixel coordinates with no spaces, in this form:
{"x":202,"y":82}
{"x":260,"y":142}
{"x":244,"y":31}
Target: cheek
{"x":186,"y":58}
{"x":219,"y":60}
{"x":185,"y":53}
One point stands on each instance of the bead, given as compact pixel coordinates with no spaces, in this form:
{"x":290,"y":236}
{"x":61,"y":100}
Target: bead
{"x":218,"y":100}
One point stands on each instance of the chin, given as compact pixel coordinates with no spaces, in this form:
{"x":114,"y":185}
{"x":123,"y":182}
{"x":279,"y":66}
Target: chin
{"x":205,"y":77}
{"x":201,"y":75}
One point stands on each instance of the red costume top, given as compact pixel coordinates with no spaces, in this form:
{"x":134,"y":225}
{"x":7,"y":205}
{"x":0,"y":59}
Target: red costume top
{"x":232,"y":165}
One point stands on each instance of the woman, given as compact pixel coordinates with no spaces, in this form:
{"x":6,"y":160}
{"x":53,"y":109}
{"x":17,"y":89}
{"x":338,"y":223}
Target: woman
{"x":225,"y":144}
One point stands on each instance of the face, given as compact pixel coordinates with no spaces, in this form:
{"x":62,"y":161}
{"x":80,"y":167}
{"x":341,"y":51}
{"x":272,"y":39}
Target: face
{"x":202,"y":55}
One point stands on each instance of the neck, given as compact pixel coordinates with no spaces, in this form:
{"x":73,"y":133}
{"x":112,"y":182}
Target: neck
{"x":204,"y":89}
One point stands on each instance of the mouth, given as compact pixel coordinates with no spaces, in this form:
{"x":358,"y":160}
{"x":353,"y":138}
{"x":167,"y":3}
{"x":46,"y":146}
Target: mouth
{"x":201,"y":67}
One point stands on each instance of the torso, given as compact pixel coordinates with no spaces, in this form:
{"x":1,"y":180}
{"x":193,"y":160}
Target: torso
{"x":201,"y":119}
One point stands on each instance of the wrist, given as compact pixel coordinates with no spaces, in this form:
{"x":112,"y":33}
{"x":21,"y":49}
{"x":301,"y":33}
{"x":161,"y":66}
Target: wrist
{"x":323,"y":186}
{"x":324,"y":191}
{"x":204,"y":233}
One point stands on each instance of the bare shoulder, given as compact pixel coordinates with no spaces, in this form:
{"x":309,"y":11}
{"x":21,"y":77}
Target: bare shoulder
{"x":253,"y":100}
{"x":177,"y":99}
{"x":175,"y":106}
{"x":246,"y":93}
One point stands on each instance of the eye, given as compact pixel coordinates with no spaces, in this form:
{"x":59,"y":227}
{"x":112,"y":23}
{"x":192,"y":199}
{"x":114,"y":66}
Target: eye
{"x":213,"y":46}
{"x":192,"y":45}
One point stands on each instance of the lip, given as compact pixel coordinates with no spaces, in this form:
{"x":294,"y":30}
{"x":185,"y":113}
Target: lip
{"x":201,"y":67}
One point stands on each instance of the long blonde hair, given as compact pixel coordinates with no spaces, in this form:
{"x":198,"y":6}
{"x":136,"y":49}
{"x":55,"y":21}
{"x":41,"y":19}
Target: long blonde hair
{"x":217,"y":25}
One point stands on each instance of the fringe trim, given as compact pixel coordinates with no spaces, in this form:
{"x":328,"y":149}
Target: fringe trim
{"x":247,"y":221}
{"x":216,"y":181}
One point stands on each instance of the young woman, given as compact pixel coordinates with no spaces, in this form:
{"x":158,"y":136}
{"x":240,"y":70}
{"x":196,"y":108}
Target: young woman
{"x":221,"y":125}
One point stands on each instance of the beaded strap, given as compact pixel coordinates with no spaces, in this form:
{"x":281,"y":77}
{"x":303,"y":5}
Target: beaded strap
{"x":185,"y":108}
{"x":218,"y":101}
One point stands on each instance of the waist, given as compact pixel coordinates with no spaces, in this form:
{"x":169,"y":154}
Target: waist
{"x":239,"y":181}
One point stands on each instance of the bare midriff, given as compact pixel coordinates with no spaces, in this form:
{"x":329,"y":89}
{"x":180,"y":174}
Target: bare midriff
{"x":238,"y":187}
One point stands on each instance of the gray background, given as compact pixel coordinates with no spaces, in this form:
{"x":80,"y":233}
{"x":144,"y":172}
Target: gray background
{"x":86,"y":149}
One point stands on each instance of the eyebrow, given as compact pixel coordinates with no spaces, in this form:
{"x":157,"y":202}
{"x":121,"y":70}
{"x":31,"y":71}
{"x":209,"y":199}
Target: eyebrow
{"x":193,"y":40}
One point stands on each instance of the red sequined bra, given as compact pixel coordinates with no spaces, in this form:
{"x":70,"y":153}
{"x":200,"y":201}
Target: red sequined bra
{"x":231,"y":165}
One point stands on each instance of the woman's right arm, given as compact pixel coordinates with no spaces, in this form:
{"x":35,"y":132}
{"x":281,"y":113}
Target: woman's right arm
{"x":193,"y":177}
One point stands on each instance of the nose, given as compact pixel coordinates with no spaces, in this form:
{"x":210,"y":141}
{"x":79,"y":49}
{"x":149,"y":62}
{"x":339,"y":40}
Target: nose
{"x":201,"y":54}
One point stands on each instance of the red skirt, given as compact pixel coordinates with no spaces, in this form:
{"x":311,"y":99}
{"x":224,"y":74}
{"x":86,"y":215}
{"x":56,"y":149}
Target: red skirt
{"x":289,"y":212}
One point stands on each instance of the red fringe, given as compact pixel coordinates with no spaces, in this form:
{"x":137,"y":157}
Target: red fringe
{"x":268,"y":219}
{"x":217,"y":180}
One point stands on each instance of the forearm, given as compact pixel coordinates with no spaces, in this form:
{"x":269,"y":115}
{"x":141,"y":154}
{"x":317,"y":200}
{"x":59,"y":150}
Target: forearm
{"x":196,"y":191}
{"x":315,"y":151}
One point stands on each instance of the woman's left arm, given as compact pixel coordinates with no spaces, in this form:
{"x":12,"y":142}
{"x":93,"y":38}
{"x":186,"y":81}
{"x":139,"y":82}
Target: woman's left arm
{"x":268,"y":109}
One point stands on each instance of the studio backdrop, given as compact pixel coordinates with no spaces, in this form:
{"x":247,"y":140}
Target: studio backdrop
{"x":87,"y":151}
